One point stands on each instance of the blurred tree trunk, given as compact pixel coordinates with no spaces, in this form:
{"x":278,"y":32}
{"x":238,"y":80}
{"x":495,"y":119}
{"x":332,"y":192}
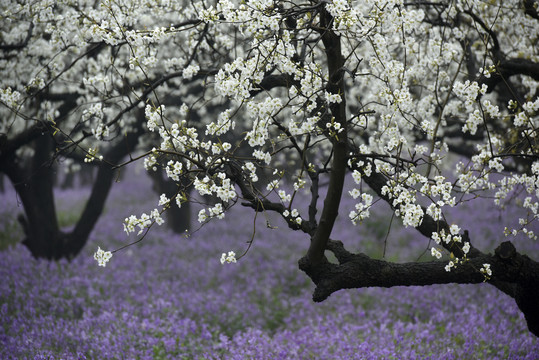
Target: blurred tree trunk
{"x":34,"y":182}
{"x":82,"y":177}
{"x":178,"y":219}
{"x":68,"y":181}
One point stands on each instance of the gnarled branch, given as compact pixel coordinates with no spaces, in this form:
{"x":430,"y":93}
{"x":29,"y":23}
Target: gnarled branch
{"x":359,"y":271}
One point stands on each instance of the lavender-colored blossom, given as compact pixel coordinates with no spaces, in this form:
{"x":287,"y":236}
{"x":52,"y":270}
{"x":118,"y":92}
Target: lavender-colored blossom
{"x":169,"y":297}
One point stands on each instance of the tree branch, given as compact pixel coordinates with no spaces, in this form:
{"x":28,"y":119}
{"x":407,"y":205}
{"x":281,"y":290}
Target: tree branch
{"x":359,"y":271}
{"x":530,"y":7}
{"x":332,"y":44}
{"x":428,"y":225}
{"x":272,"y":81}
{"x":507,"y":68}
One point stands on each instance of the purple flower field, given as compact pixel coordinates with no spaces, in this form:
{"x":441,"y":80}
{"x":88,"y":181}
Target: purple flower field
{"x":169,"y":297}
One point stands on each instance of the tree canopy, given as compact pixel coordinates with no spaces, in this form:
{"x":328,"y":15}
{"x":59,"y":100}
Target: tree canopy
{"x":425,"y":104}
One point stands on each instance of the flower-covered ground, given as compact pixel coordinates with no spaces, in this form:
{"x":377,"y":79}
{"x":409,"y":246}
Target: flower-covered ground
{"x":169,"y":297}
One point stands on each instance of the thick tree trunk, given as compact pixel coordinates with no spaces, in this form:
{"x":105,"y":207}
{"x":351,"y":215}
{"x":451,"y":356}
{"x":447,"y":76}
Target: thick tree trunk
{"x":96,"y":202}
{"x":34,"y":183}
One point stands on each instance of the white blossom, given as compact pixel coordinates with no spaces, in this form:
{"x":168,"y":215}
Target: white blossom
{"x":228,"y":258}
{"x":102,"y":257}
{"x":486,"y":270}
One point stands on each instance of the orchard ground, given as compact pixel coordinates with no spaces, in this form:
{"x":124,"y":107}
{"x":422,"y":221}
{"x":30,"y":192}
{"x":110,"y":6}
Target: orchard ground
{"x":169,"y":297}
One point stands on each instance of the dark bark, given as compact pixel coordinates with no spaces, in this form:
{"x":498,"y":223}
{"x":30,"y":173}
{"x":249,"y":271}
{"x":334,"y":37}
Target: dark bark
{"x":100,"y":190}
{"x":272,"y":81}
{"x":8,"y":146}
{"x":68,"y":182}
{"x":515,"y":274}
{"x":178,"y":219}
{"x":359,"y":271}
{"x":332,"y":45}
{"x":530,"y":8}
{"x":34,"y":183}
{"x":508,"y":68}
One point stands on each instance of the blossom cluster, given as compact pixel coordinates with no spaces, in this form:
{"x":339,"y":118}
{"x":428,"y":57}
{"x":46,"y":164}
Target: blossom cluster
{"x":405,"y":204}
{"x":102,"y":257}
{"x":228,"y":258}
{"x":227,"y":92}
{"x":293,"y":216}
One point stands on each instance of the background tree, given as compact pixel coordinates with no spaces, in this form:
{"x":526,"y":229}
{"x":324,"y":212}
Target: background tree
{"x":56,"y":76}
{"x":385,"y":91}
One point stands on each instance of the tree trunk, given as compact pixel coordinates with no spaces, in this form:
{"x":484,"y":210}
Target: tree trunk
{"x":68,"y":182}
{"x":178,"y":219}
{"x":34,"y":183}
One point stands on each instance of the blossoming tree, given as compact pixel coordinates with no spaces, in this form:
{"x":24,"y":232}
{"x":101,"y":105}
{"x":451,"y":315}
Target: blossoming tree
{"x":242,"y":95}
